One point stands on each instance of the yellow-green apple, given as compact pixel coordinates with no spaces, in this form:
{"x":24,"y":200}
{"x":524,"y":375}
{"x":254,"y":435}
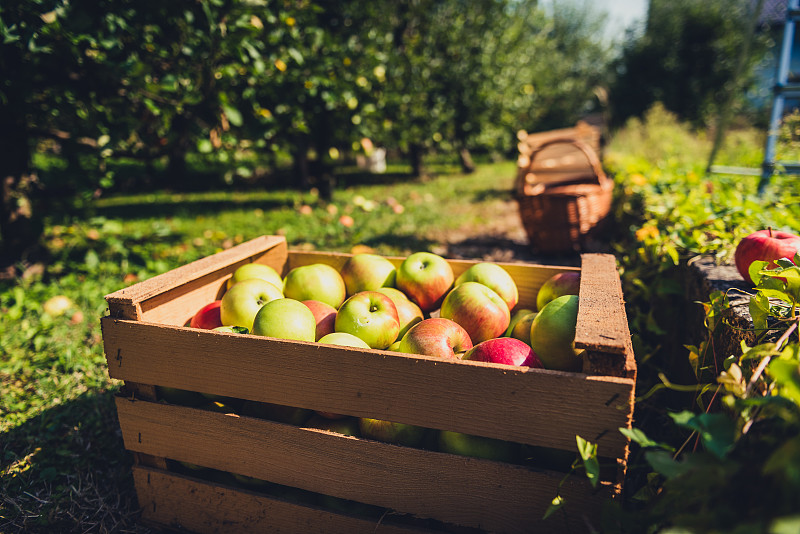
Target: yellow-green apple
{"x":324,"y":314}
{"x":317,"y":281}
{"x":256,"y":270}
{"x":207,"y":317}
{"x":390,"y":432}
{"x":370,"y":316}
{"x":408,"y":313}
{"x":494,"y":277}
{"x":285,"y":319}
{"x":232,"y":329}
{"x":425,"y":278}
{"x":505,"y":350}
{"x":515,"y":318}
{"x":522,"y":330}
{"x":276,"y":412}
{"x":764,"y":245}
{"x":438,"y":337}
{"x":343,"y":339}
{"x":346,"y":425}
{"x":558,"y":285}
{"x":367,"y":272}
{"x":553,"y":334}
{"x":477,"y":446}
{"x":395,"y":347}
{"x":243,"y":300}
{"x":481,"y":311}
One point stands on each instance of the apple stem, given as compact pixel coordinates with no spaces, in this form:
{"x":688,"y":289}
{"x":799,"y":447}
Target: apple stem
{"x":769,"y":229}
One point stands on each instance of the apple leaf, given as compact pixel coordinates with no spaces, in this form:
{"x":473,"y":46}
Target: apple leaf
{"x":759,"y":310}
{"x":787,"y":376}
{"x":588,"y":452}
{"x":639,"y":437}
{"x":755,"y":270}
{"x":663,"y":463}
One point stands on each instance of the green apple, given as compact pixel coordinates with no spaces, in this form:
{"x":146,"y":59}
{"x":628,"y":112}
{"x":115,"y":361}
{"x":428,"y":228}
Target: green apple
{"x":553,"y":334}
{"x":242,"y":301}
{"x":515,"y":317}
{"x":558,"y":285}
{"x":343,"y":339}
{"x":389,"y":432}
{"x":477,"y":446}
{"x":367,"y":272}
{"x":494,"y":277}
{"x":437,"y":337}
{"x":285,"y":319}
{"x":276,"y":412}
{"x":370,"y":316}
{"x":425,"y":278}
{"x":256,"y":270}
{"x":477,"y":308}
{"x":522,"y":330}
{"x":317,"y":281}
{"x":232,"y":329}
{"x":408,"y":313}
{"x":395,"y":347}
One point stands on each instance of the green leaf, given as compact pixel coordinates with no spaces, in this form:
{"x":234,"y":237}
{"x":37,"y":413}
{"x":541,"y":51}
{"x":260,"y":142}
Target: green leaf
{"x":233,"y":114}
{"x":663,"y":463}
{"x":638,"y":436}
{"x":787,"y":376}
{"x":555,"y":505}
{"x":755,"y":270}
{"x":785,"y":525}
{"x":588,"y":453}
{"x":717,"y":432}
{"x":759,"y":310}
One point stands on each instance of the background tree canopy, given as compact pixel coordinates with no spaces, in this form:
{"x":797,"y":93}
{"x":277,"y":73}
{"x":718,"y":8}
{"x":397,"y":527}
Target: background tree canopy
{"x":233,"y":86}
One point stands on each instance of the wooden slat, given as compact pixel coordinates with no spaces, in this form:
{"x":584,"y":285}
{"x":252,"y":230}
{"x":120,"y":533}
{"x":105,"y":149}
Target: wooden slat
{"x":200,"y":279}
{"x":528,"y":277}
{"x":181,"y":502}
{"x":534,"y":406}
{"x":466,"y":491}
{"x":602,"y":323}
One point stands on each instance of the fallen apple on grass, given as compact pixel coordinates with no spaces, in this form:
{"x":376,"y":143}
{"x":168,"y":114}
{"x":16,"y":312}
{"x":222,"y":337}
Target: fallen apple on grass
{"x":241,"y":302}
{"x":367,"y":272}
{"x":764,"y":245}
{"x":558,"y":285}
{"x":553,"y":334}
{"x":317,"y":281}
{"x":477,"y":308}
{"x":438,"y":337}
{"x":495,"y":278}
{"x":285,"y":319}
{"x":370,"y":316}
{"x":425,"y":278}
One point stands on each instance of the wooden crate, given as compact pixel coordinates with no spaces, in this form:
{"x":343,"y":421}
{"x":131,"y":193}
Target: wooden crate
{"x":414,"y":490}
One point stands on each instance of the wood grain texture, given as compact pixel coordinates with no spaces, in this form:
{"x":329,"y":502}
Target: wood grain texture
{"x":602,"y":323}
{"x":531,"y":406}
{"x":157,"y":298}
{"x":470,"y":492}
{"x":184,"y":503}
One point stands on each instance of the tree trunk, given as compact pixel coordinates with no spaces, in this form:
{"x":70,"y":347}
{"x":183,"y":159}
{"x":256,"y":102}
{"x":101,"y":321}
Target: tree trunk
{"x":467,"y":165}
{"x":415,"y":155}
{"x":176,"y":168}
{"x":20,"y":230}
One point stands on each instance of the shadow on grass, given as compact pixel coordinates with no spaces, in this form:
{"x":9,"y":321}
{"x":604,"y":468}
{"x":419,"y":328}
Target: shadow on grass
{"x":182,"y":208}
{"x":66,"y":470}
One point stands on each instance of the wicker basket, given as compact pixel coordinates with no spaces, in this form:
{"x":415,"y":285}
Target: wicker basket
{"x":564,"y":195}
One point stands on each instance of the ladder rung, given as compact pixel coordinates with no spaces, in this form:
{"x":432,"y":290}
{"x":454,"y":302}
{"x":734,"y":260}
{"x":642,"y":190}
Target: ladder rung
{"x":724,"y":169}
{"x":793,"y":14}
{"x":789,"y":167}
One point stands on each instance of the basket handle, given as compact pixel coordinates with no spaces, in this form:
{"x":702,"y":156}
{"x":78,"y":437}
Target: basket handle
{"x":590,"y":154}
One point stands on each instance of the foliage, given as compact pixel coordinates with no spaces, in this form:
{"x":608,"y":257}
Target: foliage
{"x":688,"y":58}
{"x":718,"y":453}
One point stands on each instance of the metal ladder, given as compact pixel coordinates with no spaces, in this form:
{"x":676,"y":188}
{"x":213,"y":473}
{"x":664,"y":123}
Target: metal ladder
{"x":783,"y":89}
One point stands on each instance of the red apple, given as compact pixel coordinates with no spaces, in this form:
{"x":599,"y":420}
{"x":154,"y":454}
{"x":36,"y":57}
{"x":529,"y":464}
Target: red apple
{"x":553,"y":334}
{"x":367,"y":272}
{"x":764,"y":245}
{"x":207,"y":317}
{"x":506,"y":350}
{"x":558,"y":285}
{"x":324,"y":314}
{"x":425,"y":278}
{"x":481,"y":311}
{"x":436,"y":337}
{"x":370,"y":316}
{"x":494,"y":277}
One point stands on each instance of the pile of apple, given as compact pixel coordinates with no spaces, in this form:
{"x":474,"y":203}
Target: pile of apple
{"x":419,"y":307}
